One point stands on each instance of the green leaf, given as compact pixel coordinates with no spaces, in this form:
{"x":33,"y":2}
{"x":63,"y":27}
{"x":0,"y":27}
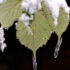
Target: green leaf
{"x":9,"y":12}
{"x":63,"y":21}
{"x":42,"y":25}
{"x":41,"y":32}
{"x":47,"y":14}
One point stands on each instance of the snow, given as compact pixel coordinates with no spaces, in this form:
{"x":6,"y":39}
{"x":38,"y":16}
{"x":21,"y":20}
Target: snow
{"x":2,"y":39}
{"x":3,"y":46}
{"x":25,"y":19}
{"x":54,"y":6}
{"x":32,"y":6}
{"x":1,"y":1}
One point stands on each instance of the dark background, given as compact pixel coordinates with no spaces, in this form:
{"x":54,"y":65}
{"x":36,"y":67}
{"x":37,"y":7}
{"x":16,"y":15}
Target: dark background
{"x":18,"y":57}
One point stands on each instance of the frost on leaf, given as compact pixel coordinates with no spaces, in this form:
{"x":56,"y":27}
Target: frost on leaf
{"x":10,"y":10}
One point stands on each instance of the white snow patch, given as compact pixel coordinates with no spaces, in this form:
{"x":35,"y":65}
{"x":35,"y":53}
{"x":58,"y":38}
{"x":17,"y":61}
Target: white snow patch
{"x":3,"y":46}
{"x":25,"y":19}
{"x":1,"y":1}
{"x":31,"y":5}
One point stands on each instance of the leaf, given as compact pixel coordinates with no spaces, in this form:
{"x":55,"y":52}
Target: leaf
{"x":41,"y":32}
{"x":9,"y":12}
{"x":47,"y":14}
{"x":42,"y":25}
{"x":63,"y":21}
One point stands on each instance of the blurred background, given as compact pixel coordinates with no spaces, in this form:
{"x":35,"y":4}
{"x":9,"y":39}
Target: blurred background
{"x":18,"y":57}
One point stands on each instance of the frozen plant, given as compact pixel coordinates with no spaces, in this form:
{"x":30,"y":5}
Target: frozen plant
{"x":34,"y":16}
{"x":54,"y":6}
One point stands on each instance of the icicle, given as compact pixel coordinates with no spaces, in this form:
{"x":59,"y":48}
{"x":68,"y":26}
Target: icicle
{"x":34,"y":63}
{"x":2,"y":39}
{"x":57,"y":48}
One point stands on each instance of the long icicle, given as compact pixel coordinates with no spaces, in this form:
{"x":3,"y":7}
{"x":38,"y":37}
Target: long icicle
{"x":57,"y":48}
{"x":34,"y":63}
